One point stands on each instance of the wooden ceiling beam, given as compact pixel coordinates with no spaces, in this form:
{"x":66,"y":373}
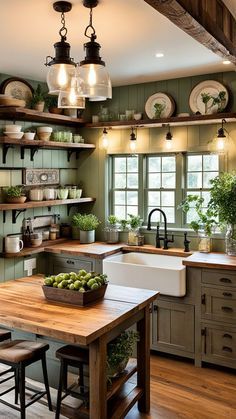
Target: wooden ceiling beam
{"x":208,"y":21}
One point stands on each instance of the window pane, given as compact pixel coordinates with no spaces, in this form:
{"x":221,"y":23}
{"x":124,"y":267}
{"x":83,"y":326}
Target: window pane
{"x":168,"y":199}
{"x":120,"y":164}
{"x":168,"y":164}
{"x":194,"y":163}
{"x":168,"y":180}
{"x":154,"y":164}
{"x":207,"y":196}
{"x":132,"y":180}
{"x":120,"y":212}
{"x":155,"y":215}
{"x":154,"y":180}
{"x":170,"y":214}
{"x":194,"y":180}
{"x":207,"y":176}
{"x":132,"y":164}
{"x":210,"y":162}
{"x":132,"y":210}
{"x":132,"y":198}
{"x":120,"y":181}
{"x":154,"y":198}
{"x":191,"y":215}
{"x":119,"y":197}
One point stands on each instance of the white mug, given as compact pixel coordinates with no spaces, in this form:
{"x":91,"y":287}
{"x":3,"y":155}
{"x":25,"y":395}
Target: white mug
{"x":13,"y":244}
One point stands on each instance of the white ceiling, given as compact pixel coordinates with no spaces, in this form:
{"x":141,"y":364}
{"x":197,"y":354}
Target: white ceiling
{"x":130,"y":32}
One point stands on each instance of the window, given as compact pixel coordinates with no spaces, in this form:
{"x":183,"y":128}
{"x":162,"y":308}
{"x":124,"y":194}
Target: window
{"x":142,"y":183}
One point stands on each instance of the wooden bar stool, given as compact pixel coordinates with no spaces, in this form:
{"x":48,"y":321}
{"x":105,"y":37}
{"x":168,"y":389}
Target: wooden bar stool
{"x":18,"y":354}
{"x":75,"y":357}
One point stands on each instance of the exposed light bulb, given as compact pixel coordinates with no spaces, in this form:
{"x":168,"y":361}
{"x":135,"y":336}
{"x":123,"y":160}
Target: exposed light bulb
{"x":105,"y":139}
{"x":226,"y":62}
{"x":220,"y":145}
{"x":159,"y":55}
{"x":168,"y":144}
{"x":132,"y":145}
{"x":62,"y":76}
{"x":92,"y":78}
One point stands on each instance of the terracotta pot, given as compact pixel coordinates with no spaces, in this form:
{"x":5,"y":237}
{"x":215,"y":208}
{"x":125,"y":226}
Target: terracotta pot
{"x":14,"y":200}
{"x":39,"y":106}
{"x":55,"y":110}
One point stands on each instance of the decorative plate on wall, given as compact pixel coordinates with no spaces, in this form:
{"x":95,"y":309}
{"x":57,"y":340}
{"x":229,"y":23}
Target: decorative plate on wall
{"x":17,"y":88}
{"x":160,"y":105}
{"x":213,"y":93}
{"x":41,"y":176}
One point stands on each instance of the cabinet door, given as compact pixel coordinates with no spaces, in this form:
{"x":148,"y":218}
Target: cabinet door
{"x":173,"y":327}
{"x":219,"y":304}
{"x":219,"y":345}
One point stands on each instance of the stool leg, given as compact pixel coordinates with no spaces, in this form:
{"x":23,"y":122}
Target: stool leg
{"x":16,"y":385}
{"x":22,"y":390}
{"x":45,"y":377}
{"x":81,"y":378}
{"x":63,"y":374}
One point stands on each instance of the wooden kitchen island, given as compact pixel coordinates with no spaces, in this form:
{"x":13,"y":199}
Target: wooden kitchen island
{"x":23,"y":306}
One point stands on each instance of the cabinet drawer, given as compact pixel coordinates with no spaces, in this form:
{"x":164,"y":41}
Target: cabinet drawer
{"x":219,"y":343}
{"x":226,"y":278}
{"x":219,"y":304}
{"x":68,"y":264}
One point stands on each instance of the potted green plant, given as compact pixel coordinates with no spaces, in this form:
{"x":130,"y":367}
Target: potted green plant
{"x":135,"y":223}
{"x":223,"y":200}
{"x":158,"y":109}
{"x":119,"y":351}
{"x":38,"y":99}
{"x":86,"y":224}
{"x":51,"y":103}
{"x":112,"y":229}
{"x":204,"y":223}
{"x":14,"y":195}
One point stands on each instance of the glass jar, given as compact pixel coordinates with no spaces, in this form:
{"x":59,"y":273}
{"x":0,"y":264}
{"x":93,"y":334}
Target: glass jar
{"x":230,"y":240}
{"x":72,"y":192}
{"x":133,"y":236}
{"x":204,"y":242}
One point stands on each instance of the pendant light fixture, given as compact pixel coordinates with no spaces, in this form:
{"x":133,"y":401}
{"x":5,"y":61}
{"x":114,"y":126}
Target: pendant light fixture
{"x":220,"y":143}
{"x":105,"y":139}
{"x":62,"y":66}
{"x":71,"y":96}
{"x":96,"y":80}
{"x":133,"y":140}
{"x":169,"y":138}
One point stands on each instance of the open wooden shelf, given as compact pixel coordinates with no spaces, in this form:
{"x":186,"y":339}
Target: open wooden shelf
{"x":26,"y":251}
{"x":19,"y":114}
{"x":118,"y":382}
{"x":173,"y":121}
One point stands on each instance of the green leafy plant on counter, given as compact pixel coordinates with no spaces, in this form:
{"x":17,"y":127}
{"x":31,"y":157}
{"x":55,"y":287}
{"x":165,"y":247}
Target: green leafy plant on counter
{"x":223,"y":197}
{"x":85,"y":222}
{"x":112,"y":220}
{"x":124,"y":223}
{"x":119,"y":351}
{"x":135,"y":221}
{"x":13,"y":191}
{"x":206,"y":217}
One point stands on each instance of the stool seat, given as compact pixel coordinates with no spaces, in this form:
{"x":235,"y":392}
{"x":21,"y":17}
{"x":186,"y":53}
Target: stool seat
{"x":73,"y":353}
{"x":4,"y":334}
{"x":20,"y":350}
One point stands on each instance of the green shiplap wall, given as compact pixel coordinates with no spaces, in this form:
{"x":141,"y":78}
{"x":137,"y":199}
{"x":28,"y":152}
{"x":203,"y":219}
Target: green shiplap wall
{"x":93,"y":170}
{"x":13,"y":268}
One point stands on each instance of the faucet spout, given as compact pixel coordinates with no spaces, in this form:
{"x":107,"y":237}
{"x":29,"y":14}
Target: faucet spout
{"x":158,"y":238}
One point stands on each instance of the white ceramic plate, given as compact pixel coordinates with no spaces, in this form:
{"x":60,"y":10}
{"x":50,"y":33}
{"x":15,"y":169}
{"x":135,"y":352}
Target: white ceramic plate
{"x":163,"y":99}
{"x":213,"y":88}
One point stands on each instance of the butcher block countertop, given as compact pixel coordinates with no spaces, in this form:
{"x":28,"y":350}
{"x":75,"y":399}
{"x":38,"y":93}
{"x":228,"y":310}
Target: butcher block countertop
{"x":211,"y":260}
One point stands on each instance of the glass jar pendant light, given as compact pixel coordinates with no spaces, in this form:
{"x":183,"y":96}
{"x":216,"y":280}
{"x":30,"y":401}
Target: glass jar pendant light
{"x":62,"y":66}
{"x":96,"y":80}
{"x":71,"y":96}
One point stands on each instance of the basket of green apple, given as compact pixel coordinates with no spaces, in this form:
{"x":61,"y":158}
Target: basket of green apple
{"x":79,"y":288}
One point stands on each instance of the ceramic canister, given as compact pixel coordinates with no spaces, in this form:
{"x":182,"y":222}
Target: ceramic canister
{"x":13,"y":244}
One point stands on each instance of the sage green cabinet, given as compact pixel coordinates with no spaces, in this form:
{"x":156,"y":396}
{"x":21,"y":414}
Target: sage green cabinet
{"x":173,"y":327}
{"x":219,"y":344}
{"x":62,"y":263}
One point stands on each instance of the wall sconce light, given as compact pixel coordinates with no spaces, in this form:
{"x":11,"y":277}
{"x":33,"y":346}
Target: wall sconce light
{"x":105,"y":139}
{"x":62,"y":66}
{"x":169,"y":138}
{"x":96,"y":80}
{"x":133,"y":140}
{"x":220,"y":143}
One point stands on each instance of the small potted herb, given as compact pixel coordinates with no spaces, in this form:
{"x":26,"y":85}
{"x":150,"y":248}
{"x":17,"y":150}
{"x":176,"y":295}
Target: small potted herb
{"x":86,"y":224}
{"x":14,"y":195}
{"x":135,"y":223}
{"x":112,"y":229}
{"x":51,"y":103}
{"x":38,"y":99}
{"x":119,"y":351}
{"x":204,"y":223}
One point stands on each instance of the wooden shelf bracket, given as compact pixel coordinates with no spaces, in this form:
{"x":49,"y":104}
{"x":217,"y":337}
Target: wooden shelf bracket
{"x":15,"y":214}
{"x":5,"y":151}
{"x":33,"y":150}
{"x":70,"y":152}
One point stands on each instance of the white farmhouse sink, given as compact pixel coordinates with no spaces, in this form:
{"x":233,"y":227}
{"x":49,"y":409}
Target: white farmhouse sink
{"x":142,"y":270}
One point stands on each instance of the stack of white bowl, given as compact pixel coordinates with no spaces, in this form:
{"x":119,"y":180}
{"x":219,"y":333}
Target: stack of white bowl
{"x":44,"y":133}
{"x":13,"y":132}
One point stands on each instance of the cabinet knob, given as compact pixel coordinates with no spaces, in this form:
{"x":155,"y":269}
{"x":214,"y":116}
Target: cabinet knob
{"x":227,"y":349}
{"x":226,"y":280}
{"x":227,"y":335}
{"x":70,"y":262}
{"x":227,"y":309}
{"x":227,"y":294}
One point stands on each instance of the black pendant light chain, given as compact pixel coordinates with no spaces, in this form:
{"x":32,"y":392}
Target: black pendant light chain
{"x":63,"y":30}
{"x":90,"y":26}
